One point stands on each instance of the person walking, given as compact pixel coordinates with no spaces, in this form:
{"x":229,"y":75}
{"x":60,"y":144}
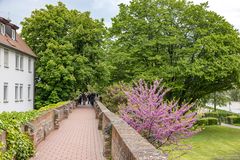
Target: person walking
{"x":92,"y":98}
{"x":84,"y":98}
{"x":80,"y":99}
{"x":89,"y":98}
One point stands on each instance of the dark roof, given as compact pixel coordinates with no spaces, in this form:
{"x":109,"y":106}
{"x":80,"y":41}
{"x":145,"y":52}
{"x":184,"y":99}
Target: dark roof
{"x":3,"y":20}
{"x":19,"y":44}
{"x":8,"y":22}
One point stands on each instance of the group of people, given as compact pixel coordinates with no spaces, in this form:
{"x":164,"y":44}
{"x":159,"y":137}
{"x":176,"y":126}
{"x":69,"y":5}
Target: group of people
{"x":87,"y":98}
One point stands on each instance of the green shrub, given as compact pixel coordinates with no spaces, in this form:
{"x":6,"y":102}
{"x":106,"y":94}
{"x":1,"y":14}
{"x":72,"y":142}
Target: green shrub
{"x":225,"y":114}
{"x":212,"y":114}
{"x":212,"y":121}
{"x":114,"y":96}
{"x":207,"y":121}
{"x":202,"y":121}
{"x":233,"y":119}
{"x":219,"y":114}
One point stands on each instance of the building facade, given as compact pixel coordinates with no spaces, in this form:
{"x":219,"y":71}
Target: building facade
{"x":16,"y":70}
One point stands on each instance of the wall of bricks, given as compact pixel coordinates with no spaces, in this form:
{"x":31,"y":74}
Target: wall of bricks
{"x":122,"y":142}
{"x":43,"y":125}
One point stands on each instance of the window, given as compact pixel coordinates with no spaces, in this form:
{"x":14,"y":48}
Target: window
{"x":5,"y":93}
{"x":29,"y":92}
{"x":16,"y":92}
{"x":17,"y":61}
{"x":21,"y":63}
{"x":13,"y":34}
{"x":21,"y":92}
{"x":2,"y":29}
{"x":6,"y":58}
{"x":29,"y":65}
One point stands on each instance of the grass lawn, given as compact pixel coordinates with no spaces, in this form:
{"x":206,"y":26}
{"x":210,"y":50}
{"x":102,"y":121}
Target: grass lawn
{"x":214,"y":143}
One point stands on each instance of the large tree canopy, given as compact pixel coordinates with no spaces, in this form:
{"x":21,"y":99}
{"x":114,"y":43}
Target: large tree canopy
{"x":68,"y":46}
{"x":194,"y":50}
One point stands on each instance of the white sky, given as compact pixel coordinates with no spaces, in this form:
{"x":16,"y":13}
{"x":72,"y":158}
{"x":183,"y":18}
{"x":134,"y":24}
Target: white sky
{"x":18,"y":9}
{"x":230,"y":9}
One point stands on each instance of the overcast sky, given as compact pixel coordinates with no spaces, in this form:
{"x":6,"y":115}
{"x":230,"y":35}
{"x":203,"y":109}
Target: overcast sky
{"x":18,"y":9}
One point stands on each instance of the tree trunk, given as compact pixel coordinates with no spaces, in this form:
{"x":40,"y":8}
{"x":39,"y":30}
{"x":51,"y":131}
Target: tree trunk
{"x":214,"y":102}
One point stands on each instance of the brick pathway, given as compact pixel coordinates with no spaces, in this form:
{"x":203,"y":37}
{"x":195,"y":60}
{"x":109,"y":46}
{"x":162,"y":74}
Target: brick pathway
{"x":77,"y":139}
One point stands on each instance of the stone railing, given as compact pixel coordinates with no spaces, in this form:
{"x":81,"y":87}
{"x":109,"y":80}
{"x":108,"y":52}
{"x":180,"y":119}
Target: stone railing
{"x":122,"y":142}
{"x":49,"y":120}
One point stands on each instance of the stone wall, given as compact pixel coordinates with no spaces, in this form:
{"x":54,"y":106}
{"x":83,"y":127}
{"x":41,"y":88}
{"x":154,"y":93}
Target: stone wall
{"x":3,"y":139}
{"x":43,"y":125}
{"x":122,"y":142}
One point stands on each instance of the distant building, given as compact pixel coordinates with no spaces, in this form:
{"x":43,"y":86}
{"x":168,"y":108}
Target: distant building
{"x":16,"y":70}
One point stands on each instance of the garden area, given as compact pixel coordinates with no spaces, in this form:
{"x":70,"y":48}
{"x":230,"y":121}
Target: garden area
{"x":211,"y":140}
{"x":213,"y":143}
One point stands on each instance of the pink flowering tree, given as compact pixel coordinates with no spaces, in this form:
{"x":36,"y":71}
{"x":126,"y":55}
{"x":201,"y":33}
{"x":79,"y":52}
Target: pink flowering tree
{"x":161,"y":122}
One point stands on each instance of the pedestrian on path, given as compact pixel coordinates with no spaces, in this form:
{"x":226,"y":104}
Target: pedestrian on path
{"x":89,"y":97}
{"x":84,"y":98}
{"x":80,"y":99}
{"x":92,"y":99}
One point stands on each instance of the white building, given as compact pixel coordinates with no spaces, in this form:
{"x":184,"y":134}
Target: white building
{"x":16,"y":70}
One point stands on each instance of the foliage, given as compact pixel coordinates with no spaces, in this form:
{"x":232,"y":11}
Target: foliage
{"x":114,"y":96}
{"x":207,"y":121}
{"x":212,"y":114}
{"x":202,"y":122}
{"x":52,"y":106}
{"x":19,"y":145}
{"x":219,"y":114}
{"x":219,"y":99}
{"x":194,"y":50}
{"x":159,"y":121}
{"x":70,"y":56}
{"x":235,"y":94}
{"x":233,"y":119}
{"x":212,"y":143}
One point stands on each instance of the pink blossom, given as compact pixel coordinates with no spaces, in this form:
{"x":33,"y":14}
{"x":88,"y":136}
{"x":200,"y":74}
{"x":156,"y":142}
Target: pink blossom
{"x":159,"y":121}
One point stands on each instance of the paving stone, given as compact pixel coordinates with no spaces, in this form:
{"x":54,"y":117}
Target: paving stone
{"x":77,"y":139}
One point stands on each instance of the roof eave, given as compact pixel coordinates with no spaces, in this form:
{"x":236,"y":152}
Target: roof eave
{"x":29,"y":54}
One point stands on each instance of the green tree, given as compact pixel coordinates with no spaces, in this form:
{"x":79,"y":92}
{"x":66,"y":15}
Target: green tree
{"x":68,"y":44}
{"x":194,"y":50}
{"x":235,"y":94}
{"x":219,"y":99}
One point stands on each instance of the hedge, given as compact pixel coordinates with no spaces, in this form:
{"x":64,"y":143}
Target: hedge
{"x":218,"y":114}
{"x":19,"y":145}
{"x":233,"y":119}
{"x":207,"y":121}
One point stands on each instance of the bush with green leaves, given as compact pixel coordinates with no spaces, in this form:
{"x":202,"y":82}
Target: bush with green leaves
{"x":207,"y":121}
{"x":211,"y":114}
{"x":218,"y":114}
{"x":114,"y":96}
{"x":19,"y":144}
{"x":233,"y":119}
